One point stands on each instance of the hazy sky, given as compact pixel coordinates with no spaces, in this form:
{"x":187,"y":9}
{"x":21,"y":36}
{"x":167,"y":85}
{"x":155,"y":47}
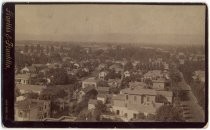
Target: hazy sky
{"x":111,"y":23}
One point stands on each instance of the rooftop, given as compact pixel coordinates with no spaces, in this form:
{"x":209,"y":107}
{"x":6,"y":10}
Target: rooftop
{"x":153,"y":73}
{"x":102,"y":95}
{"x":118,"y":97}
{"x":103,"y":89}
{"x":137,"y":84}
{"x":165,"y":93}
{"x":93,"y":101}
{"x":88,"y":89}
{"x":159,"y":80}
{"x":29,"y":87}
{"x":138,"y":91}
{"x":28,"y":104}
{"x":22,"y":76}
{"x":91,"y":79}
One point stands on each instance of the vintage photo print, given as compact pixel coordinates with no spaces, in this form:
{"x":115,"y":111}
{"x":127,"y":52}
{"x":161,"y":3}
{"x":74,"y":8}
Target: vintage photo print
{"x":89,"y":64}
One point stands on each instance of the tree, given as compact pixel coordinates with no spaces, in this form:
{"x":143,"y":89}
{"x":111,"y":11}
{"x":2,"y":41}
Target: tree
{"x":175,"y":76}
{"x":103,"y":83}
{"x":161,"y":99}
{"x":169,"y":113}
{"x":128,"y":66}
{"x":148,"y":82}
{"x":60,"y":76}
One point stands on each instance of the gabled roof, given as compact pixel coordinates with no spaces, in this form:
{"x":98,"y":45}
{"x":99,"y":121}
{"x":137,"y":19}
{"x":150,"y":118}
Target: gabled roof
{"x":118,"y":97}
{"x":22,"y":76}
{"x":28,"y":87}
{"x":137,"y":84}
{"x":165,"y":93}
{"x":102,"y":95}
{"x":159,"y":80}
{"x":105,"y":89}
{"x":91,"y":79}
{"x":138,"y":91}
{"x":88,"y":89}
{"x":28,"y":104}
{"x":114,"y":80}
{"x":115,"y":66}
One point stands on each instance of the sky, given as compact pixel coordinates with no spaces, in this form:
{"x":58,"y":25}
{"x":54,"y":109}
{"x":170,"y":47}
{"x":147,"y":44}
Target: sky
{"x":167,"y":24}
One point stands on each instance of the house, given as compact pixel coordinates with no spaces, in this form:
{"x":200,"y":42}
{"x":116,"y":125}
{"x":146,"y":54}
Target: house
{"x":76,"y":65}
{"x":73,"y":72}
{"x":20,"y":98}
{"x":85,"y":70}
{"x":102,"y":98}
{"x":22,"y":78}
{"x":135,"y":63}
{"x":137,"y":84}
{"x":181,"y":61}
{"x":167,"y":94}
{"x":132,"y":101}
{"x":28,"y":69}
{"x":84,"y":91}
{"x":117,"y":67}
{"x":153,"y":74}
{"x":39,"y":65}
{"x":127,"y":74}
{"x":61,"y":103}
{"x":32,"y":110}
{"x":103,"y":90}
{"x":92,"y":104}
{"x":114,"y":82}
{"x":26,"y":88}
{"x":64,"y":59}
{"x":166,"y":66}
{"x":102,"y":74}
{"x":89,"y":82}
{"x":199,"y":75}
{"x":54,"y":65}
{"x":101,"y":66}
{"x":159,"y":84}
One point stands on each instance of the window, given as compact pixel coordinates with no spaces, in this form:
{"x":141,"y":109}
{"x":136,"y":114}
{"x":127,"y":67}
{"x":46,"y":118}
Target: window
{"x":45,"y":115}
{"x":126,"y":97}
{"x":118,"y":112}
{"x":126,"y":115}
{"x":142,"y":99}
{"x":126,"y":105}
{"x":20,"y":114}
{"x":40,"y":108}
{"x":135,"y":98}
{"x":147,"y":98}
{"x":134,"y":115}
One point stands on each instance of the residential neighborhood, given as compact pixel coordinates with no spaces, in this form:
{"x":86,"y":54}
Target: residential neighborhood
{"x":90,"y":82}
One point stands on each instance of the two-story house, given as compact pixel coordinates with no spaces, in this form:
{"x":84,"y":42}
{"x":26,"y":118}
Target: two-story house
{"x":102,"y":75}
{"x":89,"y":82}
{"x":22,"y":78}
{"x":132,"y":101}
{"x":32,"y":110}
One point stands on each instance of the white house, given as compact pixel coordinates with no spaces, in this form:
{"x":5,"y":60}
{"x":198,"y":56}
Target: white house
{"x":127,"y":74}
{"x":102,"y":74}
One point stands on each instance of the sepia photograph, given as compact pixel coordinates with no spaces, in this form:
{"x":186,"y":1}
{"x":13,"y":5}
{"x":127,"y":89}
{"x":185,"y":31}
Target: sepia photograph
{"x":110,"y":63}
